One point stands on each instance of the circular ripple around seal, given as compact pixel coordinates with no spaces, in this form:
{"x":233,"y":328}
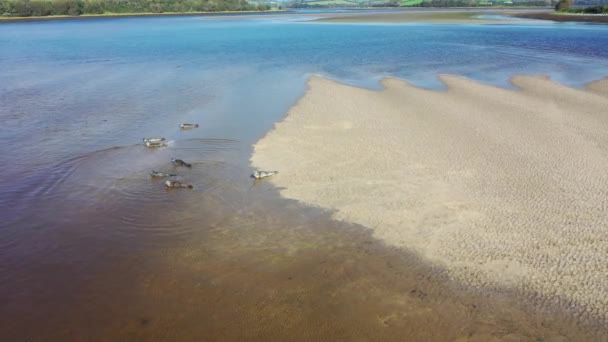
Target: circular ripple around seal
{"x":109,"y":194}
{"x":147,"y":208}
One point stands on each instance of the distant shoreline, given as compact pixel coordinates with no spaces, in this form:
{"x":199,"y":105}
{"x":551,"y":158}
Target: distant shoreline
{"x":131,"y":15}
{"x":447,"y":16}
{"x":586,"y":18}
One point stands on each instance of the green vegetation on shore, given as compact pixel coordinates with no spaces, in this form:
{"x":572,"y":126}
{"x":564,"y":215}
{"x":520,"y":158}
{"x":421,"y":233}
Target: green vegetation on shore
{"x":482,"y":3}
{"x":332,"y":3}
{"x":410,"y":3}
{"x":419,"y":3}
{"x":41,"y":8}
{"x":586,"y":10}
{"x":565,"y":7}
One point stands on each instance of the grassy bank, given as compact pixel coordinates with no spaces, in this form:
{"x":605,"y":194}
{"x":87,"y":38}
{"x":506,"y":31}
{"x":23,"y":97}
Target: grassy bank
{"x":586,"y":10}
{"x":127,"y":15}
{"x":62,"y":8}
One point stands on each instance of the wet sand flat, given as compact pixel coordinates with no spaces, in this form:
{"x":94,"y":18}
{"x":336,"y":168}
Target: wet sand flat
{"x":421,"y":16}
{"x":564,"y":17}
{"x":505,"y":189}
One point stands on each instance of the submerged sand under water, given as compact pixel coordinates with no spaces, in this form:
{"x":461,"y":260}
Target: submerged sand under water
{"x":504,"y":189}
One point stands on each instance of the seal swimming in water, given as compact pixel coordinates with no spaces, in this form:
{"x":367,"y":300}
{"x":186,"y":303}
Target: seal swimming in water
{"x":177,"y":184}
{"x":188,"y":126}
{"x":154,"y":144}
{"x":153,"y":140}
{"x":263,"y":174}
{"x":161,"y":174}
{"x":179,"y":162}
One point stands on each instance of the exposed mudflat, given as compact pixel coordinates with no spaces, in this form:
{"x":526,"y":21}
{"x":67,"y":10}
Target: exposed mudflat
{"x":561,"y":17}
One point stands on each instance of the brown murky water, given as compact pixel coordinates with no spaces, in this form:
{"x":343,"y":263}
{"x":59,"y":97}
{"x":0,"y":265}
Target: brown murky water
{"x":229,"y":260}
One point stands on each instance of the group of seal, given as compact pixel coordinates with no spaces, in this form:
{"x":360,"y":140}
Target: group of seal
{"x":172,"y":183}
{"x":160,"y":142}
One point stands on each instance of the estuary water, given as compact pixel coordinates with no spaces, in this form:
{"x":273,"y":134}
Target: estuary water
{"x":91,"y":248}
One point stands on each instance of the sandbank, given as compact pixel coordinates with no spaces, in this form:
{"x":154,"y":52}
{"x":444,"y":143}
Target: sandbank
{"x":503,"y":188}
{"x":564,"y":17}
{"x":434,"y":16}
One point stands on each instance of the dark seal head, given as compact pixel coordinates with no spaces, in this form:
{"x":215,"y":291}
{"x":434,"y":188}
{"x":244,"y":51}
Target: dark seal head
{"x":179,"y":162}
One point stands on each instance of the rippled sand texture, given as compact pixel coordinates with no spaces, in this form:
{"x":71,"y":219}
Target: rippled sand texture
{"x":507,"y":189}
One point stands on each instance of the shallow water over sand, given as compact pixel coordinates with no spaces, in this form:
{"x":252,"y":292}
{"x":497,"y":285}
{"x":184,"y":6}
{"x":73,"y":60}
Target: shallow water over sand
{"x":92,"y":248}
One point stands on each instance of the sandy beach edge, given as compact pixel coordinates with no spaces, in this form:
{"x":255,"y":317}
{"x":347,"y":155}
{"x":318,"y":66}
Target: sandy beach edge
{"x":308,"y":144}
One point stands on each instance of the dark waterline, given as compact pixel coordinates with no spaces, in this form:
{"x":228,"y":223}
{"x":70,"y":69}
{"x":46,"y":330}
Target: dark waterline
{"x":86,"y":231}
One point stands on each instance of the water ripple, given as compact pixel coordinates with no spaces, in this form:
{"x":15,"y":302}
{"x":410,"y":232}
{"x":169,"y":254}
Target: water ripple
{"x":110,"y":192}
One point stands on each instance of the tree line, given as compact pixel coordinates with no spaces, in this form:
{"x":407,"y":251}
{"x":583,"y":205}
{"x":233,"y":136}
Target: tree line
{"x":431,"y":3}
{"x":475,"y":3}
{"x":27,"y":8}
{"x":601,"y":9}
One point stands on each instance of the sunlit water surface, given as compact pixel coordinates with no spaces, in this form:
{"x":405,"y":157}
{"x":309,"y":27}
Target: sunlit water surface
{"x":85,"y":231}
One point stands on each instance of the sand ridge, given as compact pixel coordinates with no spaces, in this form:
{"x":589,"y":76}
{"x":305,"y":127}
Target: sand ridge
{"x":600,"y":87}
{"x":504,"y":188}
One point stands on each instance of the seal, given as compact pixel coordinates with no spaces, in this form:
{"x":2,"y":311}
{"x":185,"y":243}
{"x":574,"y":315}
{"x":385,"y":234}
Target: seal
{"x":188,"y":126}
{"x":154,"y":144}
{"x":263,"y":174}
{"x":179,"y":162}
{"x":161,"y":174}
{"x":153,"y":140}
{"x":177,"y":184}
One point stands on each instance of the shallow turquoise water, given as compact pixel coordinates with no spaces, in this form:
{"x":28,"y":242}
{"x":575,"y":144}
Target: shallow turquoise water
{"x":242,"y":74}
{"x":76,"y":97}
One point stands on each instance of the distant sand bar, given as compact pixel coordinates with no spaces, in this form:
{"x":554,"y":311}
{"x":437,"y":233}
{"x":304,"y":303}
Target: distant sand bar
{"x":503,"y":188}
{"x":435,"y":16}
